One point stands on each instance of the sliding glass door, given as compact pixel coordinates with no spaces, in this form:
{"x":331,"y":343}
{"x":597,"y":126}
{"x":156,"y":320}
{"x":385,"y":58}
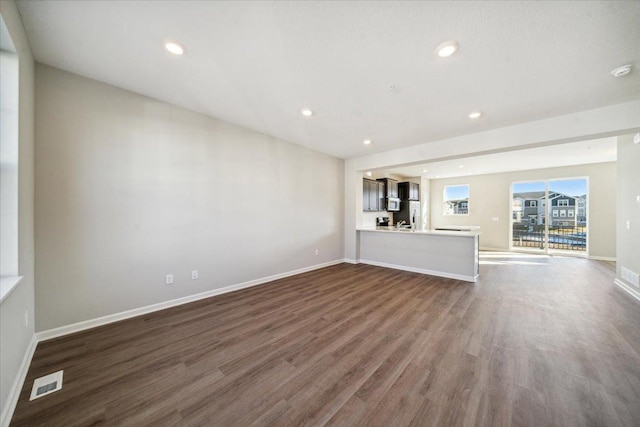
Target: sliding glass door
{"x":568,"y":215}
{"x":528,"y":218}
{"x":550,"y":216}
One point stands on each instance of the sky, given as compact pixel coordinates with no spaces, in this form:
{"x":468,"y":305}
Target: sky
{"x":570,"y":187}
{"x":455,"y":192}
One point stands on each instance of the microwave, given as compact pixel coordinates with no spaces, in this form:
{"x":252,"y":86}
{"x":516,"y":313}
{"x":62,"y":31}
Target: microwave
{"x":393,"y":204}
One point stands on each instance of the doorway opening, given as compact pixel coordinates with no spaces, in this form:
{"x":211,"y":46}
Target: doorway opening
{"x":550,"y":216}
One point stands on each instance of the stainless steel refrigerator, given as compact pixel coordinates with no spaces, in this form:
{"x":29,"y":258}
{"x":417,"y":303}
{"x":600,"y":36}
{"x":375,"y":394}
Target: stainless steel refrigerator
{"x":409,"y":213}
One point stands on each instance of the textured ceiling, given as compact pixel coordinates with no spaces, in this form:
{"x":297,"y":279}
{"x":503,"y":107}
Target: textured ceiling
{"x":367,"y":69}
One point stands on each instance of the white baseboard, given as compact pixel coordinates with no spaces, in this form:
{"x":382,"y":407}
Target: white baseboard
{"x":18,"y":382}
{"x":116,"y":317}
{"x":422,"y":271}
{"x":628,"y":289}
{"x":351,"y":261}
{"x":603,"y":258}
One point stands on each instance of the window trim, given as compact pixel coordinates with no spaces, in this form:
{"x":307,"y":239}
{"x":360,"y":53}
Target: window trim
{"x":9,"y":190}
{"x":7,"y":285}
{"x":445,"y":201}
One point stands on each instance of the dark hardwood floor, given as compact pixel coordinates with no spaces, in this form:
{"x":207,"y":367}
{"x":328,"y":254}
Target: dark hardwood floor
{"x":536,"y":342}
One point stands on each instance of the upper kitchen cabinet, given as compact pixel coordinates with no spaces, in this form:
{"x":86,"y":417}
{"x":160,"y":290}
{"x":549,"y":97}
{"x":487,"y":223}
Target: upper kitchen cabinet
{"x":366,"y":192}
{"x":409,"y":191}
{"x":372,"y":195}
{"x":390,"y":187}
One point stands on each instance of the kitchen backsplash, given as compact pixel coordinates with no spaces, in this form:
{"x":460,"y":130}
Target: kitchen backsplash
{"x":369,"y":218}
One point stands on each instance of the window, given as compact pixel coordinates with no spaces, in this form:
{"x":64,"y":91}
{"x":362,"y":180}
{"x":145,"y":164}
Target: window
{"x":564,"y":201}
{"x":8,"y":165}
{"x":456,"y":200}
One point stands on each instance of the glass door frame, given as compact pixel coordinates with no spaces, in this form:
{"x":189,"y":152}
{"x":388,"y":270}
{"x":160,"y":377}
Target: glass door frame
{"x":546,"y":250}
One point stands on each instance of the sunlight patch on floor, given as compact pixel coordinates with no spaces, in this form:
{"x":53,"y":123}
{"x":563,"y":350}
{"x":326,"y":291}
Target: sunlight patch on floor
{"x":513,"y":258}
{"x":515,"y":262}
{"x":511,"y":255}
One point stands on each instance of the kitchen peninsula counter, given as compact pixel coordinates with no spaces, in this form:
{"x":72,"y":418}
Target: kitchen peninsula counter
{"x":444,"y":253}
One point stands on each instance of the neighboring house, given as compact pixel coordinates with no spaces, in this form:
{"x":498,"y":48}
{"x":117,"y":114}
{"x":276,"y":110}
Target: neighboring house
{"x":563,"y":209}
{"x":457,"y":207}
{"x":531,"y":208}
{"x":581,"y":215}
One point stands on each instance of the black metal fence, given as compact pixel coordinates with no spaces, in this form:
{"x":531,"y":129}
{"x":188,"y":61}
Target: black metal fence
{"x":569,"y":238}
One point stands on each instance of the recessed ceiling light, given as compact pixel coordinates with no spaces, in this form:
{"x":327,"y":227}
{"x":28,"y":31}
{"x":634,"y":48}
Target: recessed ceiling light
{"x":460,"y":166}
{"x":622,"y":71}
{"x":437,"y":176}
{"x":366,"y":142}
{"x":475,"y":114}
{"x":306,"y":112}
{"x":425,"y":170}
{"x":369,"y":173}
{"x":175,"y":48}
{"x":446,"y":49}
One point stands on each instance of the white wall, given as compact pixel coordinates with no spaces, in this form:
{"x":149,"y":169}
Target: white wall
{"x":129,"y":189}
{"x":489,"y":197}
{"x":608,"y":121}
{"x":628,"y":192}
{"x":15,"y":336}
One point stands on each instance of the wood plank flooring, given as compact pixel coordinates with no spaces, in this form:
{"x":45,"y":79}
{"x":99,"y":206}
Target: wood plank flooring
{"x":536,"y":342}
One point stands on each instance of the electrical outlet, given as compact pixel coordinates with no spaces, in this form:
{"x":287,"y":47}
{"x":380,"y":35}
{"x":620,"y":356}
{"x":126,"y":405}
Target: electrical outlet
{"x":26,"y":318}
{"x":494,"y":218}
{"x":317,"y":252}
{"x":628,"y":225}
{"x":194,"y":274}
{"x":168,"y":279}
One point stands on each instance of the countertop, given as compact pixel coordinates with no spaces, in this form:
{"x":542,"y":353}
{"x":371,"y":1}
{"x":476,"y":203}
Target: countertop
{"x":421,"y":232}
{"x":458,"y":228}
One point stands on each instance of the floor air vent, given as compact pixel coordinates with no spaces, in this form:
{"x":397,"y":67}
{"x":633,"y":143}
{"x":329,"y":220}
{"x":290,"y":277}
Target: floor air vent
{"x":46,"y":385}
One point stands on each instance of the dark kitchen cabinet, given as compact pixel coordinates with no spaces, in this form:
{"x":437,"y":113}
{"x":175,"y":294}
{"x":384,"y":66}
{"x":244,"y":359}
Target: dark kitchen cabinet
{"x":390,"y":187}
{"x":409,"y":191}
{"x":381,"y":204}
{"x":366,"y":191}
{"x":414,"y":191}
{"x":372,"y":195}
